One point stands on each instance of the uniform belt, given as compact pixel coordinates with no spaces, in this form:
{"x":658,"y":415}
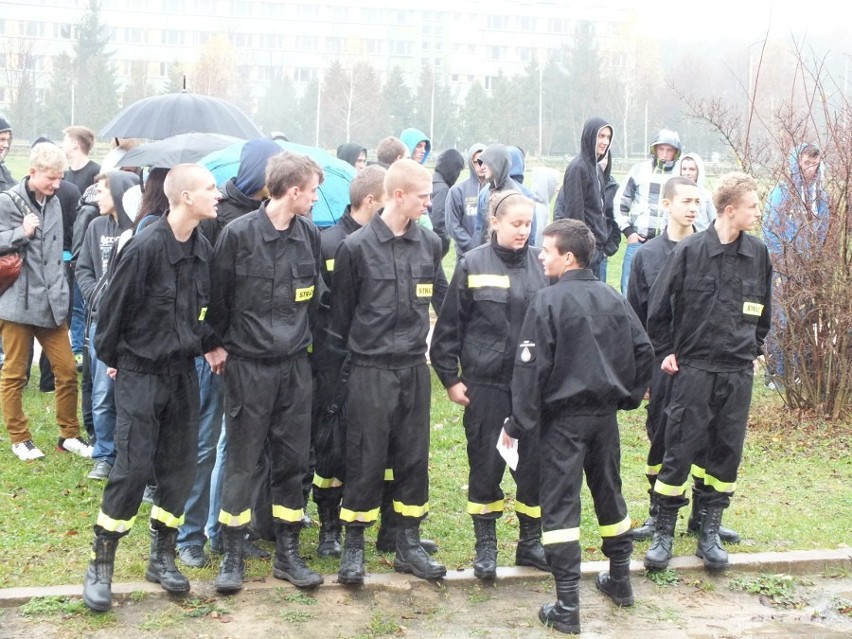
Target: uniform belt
{"x":169,"y":367}
{"x":389,"y":362}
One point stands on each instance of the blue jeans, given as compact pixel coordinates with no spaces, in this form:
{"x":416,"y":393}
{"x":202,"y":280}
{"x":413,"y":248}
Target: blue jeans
{"x":78,"y":319}
{"x":213,"y":525}
{"x":629,"y":252}
{"x":209,"y":428}
{"x":103,"y":405}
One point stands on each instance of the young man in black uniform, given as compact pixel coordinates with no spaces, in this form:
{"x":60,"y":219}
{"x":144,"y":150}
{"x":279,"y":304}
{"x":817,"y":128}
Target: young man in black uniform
{"x":366,"y":194}
{"x":151,"y":326}
{"x":264,"y":291}
{"x":382,"y":285}
{"x":582,"y":356}
{"x":708,"y":315}
{"x":682,"y":201}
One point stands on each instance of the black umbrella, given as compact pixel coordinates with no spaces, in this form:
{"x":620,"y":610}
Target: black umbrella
{"x":162,"y":116}
{"x":186,"y":147}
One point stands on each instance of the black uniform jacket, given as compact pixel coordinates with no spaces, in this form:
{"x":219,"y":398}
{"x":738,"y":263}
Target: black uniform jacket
{"x":331,"y":238}
{"x":481,"y":318}
{"x":710,"y":305}
{"x":381,"y":289}
{"x":647,"y":264}
{"x":582,"y":351}
{"x":265,"y":287}
{"x":152,"y":315}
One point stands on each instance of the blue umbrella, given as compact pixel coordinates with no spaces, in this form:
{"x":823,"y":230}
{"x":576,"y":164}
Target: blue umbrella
{"x":333,"y":192}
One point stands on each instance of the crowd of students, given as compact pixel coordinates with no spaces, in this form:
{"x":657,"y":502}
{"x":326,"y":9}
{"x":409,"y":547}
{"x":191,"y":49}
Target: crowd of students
{"x":232,"y":331}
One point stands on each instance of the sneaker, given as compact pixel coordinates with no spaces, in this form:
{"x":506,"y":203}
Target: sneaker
{"x":78,"y":361}
{"x":194,"y":556}
{"x":27,"y":451}
{"x":76,"y":445}
{"x":100,"y":470}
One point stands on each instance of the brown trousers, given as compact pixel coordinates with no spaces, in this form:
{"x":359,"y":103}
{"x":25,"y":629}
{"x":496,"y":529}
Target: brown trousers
{"x":55,"y":343}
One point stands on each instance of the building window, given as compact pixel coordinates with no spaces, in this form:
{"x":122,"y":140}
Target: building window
{"x":498,"y":22}
{"x":304,"y":74}
{"x":307,"y":43}
{"x":526,"y":23}
{"x":400,"y":47}
{"x":334,"y":45}
{"x":497,"y":53}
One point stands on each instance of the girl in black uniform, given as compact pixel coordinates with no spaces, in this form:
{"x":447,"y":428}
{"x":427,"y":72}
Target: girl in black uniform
{"x":472,"y":352}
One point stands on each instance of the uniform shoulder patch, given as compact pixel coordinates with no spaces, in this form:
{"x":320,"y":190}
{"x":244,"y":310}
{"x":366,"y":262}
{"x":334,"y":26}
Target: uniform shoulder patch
{"x":526,"y":351}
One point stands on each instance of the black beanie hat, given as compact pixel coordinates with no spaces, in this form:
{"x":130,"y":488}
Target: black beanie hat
{"x":4,"y":126}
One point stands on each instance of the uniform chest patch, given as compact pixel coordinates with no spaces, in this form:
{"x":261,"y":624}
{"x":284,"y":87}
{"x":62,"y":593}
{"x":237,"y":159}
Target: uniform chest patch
{"x":526,"y":351}
{"x":752,"y":308}
{"x":423,"y":290}
{"x":304,"y":294}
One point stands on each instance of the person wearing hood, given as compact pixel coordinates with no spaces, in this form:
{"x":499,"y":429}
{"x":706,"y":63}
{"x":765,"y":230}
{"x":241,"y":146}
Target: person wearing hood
{"x":639,"y":216}
{"x":448,"y":167}
{"x":242,"y":195}
{"x":92,"y":263}
{"x":418,"y":144}
{"x":354,"y":154}
{"x":692,"y":166}
{"x":462,"y":204}
{"x":499,"y":162}
{"x":583,"y":186}
{"x":6,"y":179}
{"x":795,"y":226}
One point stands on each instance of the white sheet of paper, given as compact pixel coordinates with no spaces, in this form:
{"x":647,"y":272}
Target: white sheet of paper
{"x":510,"y":455}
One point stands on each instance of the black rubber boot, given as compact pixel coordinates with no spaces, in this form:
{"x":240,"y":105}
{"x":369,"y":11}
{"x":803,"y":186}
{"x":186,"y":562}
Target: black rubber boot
{"x":530,"y":552}
{"x":161,"y":560}
{"x":389,"y":525}
{"x":412,"y":558}
{"x":693,"y":526}
{"x":352,"y":563}
{"x":97,"y":584}
{"x":616,"y":583}
{"x":646,"y":530}
{"x":660,"y":552}
{"x":288,"y":563}
{"x":230,"y":577}
{"x":485,"y":563}
{"x":564,"y":614}
{"x":329,"y":533}
{"x":709,"y":545}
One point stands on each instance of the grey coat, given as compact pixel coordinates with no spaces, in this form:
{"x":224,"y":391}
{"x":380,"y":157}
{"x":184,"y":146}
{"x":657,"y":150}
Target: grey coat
{"x":39,"y":297}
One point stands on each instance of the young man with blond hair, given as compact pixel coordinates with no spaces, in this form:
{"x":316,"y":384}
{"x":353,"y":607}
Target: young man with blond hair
{"x":36,"y":304}
{"x":382,"y":285}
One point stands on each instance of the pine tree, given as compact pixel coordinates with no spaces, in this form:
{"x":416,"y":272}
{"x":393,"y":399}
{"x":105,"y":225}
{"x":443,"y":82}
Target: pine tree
{"x":96,"y":85}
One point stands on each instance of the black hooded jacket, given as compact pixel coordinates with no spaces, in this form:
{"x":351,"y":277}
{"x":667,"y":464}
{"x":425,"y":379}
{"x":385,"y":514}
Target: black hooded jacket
{"x":582,"y":196}
{"x":447,"y":170}
{"x":349,"y":152}
{"x":235,"y":204}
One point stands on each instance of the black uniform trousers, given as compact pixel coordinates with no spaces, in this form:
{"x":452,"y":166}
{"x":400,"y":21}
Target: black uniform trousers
{"x":266,"y":400}
{"x":655,"y":422}
{"x":570,"y":446}
{"x":706,"y":422}
{"x":329,"y":468}
{"x":387,"y":418}
{"x":156,"y":435}
{"x":483,"y":421}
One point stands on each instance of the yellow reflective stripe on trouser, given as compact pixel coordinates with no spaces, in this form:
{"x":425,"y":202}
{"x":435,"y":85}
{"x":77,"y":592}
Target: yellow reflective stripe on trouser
{"x":367,"y":517}
{"x":289,"y":515}
{"x":653,"y":470}
{"x":720,"y":486}
{"x":561,"y":536}
{"x":530,"y":511}
{"x":614,"y":530}
{"x":235,"y":521}
{"x":697,"y":471}
{"x":388,"y":474}
{"x":165,"y":517}
{"x":483,"y":279}
{"x":326,"y":482}
{"x":670,"y":491}
{"x":474,"y":508}
{"x":410,"y":511}
{"x":115,"y":525}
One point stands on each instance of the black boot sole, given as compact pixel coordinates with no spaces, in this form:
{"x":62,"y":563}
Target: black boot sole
{"x":657,"y":565}
{"x":401,"y":566}
{"x":155,"y":579}
{"x":618,"y":601}
{"x":711,"y":565}
{"x":311,"y":582}
{"x":353,"y":580}
{"x":568,"y":629}
{"x":228,"y":590}
{"x":485,"y":575}
{"x":329,"y":552}
{"x":97,"y":607}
